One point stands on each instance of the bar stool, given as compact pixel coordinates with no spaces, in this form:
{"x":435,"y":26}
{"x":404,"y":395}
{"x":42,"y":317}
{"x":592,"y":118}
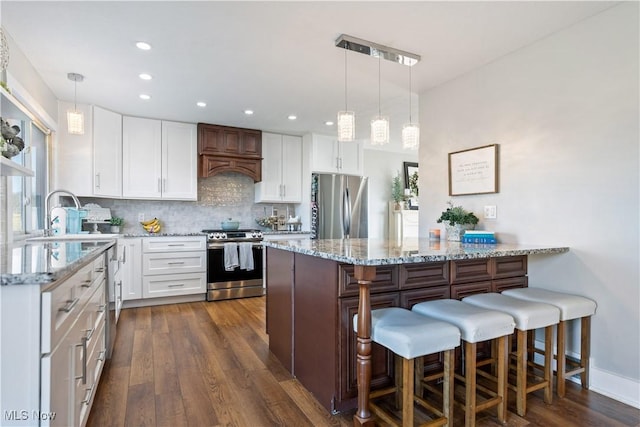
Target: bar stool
{"x":571,"y":307}
{"x":528,"y":316}
{"x":476,"y":324}
{"x":410,"y":335}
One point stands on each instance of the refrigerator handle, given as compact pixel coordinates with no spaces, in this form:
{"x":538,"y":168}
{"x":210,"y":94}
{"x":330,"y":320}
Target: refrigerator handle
{"x":346,"y":213}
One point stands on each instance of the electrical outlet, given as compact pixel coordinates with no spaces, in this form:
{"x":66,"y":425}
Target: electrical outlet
{"x":490,"y":212}
{"x":140,"y":217}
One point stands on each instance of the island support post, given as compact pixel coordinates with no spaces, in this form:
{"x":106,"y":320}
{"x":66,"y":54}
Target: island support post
{"x":364,"y":274}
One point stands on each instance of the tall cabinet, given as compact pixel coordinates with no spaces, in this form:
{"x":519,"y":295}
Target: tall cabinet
{"x":107,"y":153}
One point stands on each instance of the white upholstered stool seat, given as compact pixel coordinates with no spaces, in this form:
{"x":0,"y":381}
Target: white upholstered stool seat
{"x":571,"y":307}
{"x":410,"y":335}
{"x":476,"y":324}
{"x":528,"y":315}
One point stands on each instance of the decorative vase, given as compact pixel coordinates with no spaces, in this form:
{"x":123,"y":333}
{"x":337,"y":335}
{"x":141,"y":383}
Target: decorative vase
{"x":456,"y":231}
{"x":115,"y":229}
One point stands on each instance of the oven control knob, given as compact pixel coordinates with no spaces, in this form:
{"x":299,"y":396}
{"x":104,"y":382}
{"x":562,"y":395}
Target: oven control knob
{"x":223,"y":235}
{"x":216,"y":235}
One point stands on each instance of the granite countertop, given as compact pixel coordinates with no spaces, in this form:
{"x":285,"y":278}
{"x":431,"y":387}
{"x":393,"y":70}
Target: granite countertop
{"x":281,"y":232}
{"x":133,"y":235}
{"x":381,"y":252}
{"x":44,"y":262}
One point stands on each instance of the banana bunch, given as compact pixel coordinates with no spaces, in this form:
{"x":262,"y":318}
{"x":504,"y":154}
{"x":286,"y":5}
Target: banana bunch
{"x":151,"y":226}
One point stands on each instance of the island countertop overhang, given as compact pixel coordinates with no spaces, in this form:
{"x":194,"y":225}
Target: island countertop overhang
{"x":384,"y":252}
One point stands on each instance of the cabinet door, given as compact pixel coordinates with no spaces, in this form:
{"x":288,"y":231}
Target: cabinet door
{"x":141,"y":158}
{"x":58,"y":383}
{"x":350,"y":155}
{"x":132,"y":270}
{"x":269,"y":189}
{"x":325,"y":156}
{"x":291,"y":169}
{"x":179,"y":161}
{"x":107,"y":153}
{"x":251,"y":143}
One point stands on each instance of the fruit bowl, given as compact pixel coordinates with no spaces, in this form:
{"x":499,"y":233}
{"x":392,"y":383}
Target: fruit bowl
{"x":229,"y":224}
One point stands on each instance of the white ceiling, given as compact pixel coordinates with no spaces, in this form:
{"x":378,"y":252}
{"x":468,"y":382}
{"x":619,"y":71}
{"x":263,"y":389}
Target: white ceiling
{"x":277,"y":58}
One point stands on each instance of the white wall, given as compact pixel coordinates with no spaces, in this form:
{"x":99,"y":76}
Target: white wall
{"x":565,"y":112}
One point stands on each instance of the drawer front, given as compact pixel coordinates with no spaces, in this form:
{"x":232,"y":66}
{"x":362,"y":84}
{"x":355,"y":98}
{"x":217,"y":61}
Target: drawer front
{"x":62,"y":304}
{"x":470,"y":270}
{"x":174,"y":263}
{"x":386,"y":280}
{"x":510,"y":266}
{"x":510,"y":283}
{"x":173,"y":244}
{"x":173,"y":284}
{"x":424,"y":275}
{"x":464,"y":290}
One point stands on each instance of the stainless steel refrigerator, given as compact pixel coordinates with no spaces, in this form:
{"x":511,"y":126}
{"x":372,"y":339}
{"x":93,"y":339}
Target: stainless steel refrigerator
{"x":338,"y":206}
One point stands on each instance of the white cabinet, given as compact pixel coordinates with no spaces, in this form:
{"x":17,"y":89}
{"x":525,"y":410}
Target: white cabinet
{"x":329,"y":155}
{"x":173,"y":266}
{"x":281,"y":169}
{"x":107,"y":153}
{"x":131,"y":274}
{"x":159,"y":159}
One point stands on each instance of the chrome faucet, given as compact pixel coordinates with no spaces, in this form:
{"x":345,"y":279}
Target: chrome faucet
{"x":47,"y":210}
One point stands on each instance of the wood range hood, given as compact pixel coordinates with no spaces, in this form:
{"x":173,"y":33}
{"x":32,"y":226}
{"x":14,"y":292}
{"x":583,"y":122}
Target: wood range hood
{"x":229,"y":149}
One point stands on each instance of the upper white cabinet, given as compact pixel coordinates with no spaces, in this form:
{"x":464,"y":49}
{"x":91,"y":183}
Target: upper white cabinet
{"x":332,"y":156}
{"x":281,"y":169}
{"x":107,"y":153}
{"x":159,"y":159}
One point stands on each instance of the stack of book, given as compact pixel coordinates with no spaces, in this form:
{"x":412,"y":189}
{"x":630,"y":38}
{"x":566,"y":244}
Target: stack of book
{"x":479,"y":236}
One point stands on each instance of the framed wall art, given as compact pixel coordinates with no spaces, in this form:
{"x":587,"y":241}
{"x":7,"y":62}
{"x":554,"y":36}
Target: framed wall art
{"x":411,"y":182}
{"x":474,"y":171}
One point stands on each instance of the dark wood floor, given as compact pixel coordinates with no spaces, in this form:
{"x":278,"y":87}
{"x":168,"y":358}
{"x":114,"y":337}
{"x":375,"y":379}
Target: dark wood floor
{"x":208,"y":364}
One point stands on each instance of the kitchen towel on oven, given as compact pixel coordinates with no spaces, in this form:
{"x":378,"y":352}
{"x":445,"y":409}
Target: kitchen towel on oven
{"x":246,"y":255}
{"x":230,"y":256}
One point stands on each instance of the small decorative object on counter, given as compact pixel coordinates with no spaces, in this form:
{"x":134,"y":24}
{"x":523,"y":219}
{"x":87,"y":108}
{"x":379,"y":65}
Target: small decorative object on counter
{"x":229,"y":224}
{"x":456,"y":221}
{"x":115,"y":223}
{"x":479,"y":237}
{"x":151,"y":226}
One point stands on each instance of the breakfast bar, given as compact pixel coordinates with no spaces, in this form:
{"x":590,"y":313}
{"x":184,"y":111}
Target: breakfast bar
{"x":315,"y":287}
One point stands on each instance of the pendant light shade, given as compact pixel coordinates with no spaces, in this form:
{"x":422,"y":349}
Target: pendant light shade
{"x":75,"y":118}
{"x":346,"y":121}
{"x":380,"y":123}
{"x":410,"y":131}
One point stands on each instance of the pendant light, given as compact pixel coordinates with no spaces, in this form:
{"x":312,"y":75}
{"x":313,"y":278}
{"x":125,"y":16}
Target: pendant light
{"x":75,"y":118}
{"x":380,"y":123}
{"x":346,"y":119}
{"x":410,"y":131}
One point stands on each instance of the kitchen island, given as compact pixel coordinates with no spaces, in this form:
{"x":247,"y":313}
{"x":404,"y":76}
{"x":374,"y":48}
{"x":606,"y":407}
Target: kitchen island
{"x":315,"y":287}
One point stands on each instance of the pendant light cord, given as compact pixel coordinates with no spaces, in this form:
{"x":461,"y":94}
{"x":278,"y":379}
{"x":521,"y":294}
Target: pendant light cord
{"x":379,"y":108}
{"x":75,"y":95}
{"x":410,"y":121}
{"x":345,"y":79}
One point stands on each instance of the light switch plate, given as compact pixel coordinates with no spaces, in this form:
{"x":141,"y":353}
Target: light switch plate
{"x":490,"y":212}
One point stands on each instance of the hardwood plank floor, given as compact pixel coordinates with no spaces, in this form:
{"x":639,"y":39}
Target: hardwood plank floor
{"x":208,"y":364}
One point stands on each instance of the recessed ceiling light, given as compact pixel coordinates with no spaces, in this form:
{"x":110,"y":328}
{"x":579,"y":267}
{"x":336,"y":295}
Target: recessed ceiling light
{"x":292,"y":117}
{"x":145,"y":96}
{"x":145,"y":76}
{"x":248,"y":112}
{"x":328,"y":123}
{"x":201,"y":104}
{"x":143,"y":45}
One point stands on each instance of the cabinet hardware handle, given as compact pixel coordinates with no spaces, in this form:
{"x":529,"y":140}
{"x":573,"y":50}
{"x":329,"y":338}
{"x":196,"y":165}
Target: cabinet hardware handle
{"x":175,"y":244}
{"x":176,"y":285}
{"x":83,"y":344}
{"x":159,"y":185}
{"x":90,"y":333}
{"x":88,"y":397}
{"x":98,"y":180}
{"x":164,"y":185}
{"x":101,"y":308}
{"x":99,"y":270}
{"x":176,"y":263}
{"x":70,"y":304}
{"x":101,"y":355}
{"x":124,"y":254}
{"x":86,"y":283}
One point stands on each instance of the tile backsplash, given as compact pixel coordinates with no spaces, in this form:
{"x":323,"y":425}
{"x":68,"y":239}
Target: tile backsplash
{"x":223,"y":196}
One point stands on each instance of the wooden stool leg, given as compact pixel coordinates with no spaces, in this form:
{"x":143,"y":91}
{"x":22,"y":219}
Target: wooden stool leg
{"x":407,"y":392}
{"x":502,"y":377}
{"x":399,"y":386}
{"x":548,"y":358}
{"x":585,"y":350}
{"x":521,"y":372}
{"x":470,"y":384}
{"x":561,"y":359}
{"x":448,"y":387}
{"x":419,"y":375}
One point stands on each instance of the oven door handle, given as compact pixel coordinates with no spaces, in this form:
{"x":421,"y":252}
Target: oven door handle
{"x":221,"y":245}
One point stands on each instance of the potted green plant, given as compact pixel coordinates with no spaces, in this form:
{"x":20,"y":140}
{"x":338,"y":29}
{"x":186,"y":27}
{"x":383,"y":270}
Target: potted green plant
{"x":397,"y":191}
{"x":456,"y":221}
{"x":115,"y":223}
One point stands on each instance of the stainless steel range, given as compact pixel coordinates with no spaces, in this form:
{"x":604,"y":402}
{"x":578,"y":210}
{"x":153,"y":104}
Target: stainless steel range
{"x":234,"y":264}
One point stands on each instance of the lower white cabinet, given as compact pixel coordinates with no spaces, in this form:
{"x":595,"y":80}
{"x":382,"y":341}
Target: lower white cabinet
{"x":173,"y":266}
{"x":131,"y":274}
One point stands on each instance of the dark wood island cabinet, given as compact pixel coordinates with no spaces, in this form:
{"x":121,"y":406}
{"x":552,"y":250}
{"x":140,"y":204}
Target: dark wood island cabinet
{"x":313,"y":294}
